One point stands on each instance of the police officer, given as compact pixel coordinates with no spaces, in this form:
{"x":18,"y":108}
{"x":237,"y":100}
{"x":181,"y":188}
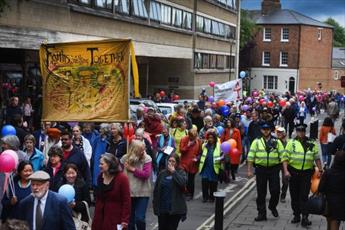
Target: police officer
{"x":265,"y":153}
{"x":298,"y":162}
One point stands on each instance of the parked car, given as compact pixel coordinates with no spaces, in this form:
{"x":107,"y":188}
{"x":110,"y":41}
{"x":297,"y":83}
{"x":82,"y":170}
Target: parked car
{"x":134,"y":103}
{"x":167,"y":108}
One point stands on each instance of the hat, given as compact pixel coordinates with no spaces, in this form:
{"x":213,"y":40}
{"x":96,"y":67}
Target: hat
{"x":264,"y":109}
{"x":12,"y":141}
{"x":238,"y":115}
{"x":39,"y":176}
{"x":265,"y":125}
{"x":301,"y":127}
{"x":280,"y":129}
{"x":54,"y":133}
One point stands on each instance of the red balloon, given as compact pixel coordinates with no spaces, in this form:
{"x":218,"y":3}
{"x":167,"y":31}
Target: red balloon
{"x":7,"y":163}
{"x":261,"y":101}
{"x":301,"y":98}
{"x":221,"y":103}
{"x":282,"y":103}
{"x":162,"y":93}
{"x":235,"y":156}
{"x":233,"y":143}
{"x":212,"y":84}
{"x":214,"y":105}
{"x":176,"y":97}
{"x":270,"y":104}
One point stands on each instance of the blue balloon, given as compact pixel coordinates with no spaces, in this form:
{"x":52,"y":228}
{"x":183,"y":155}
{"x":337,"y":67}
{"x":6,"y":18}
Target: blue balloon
{"x":8,"y":130}
{"x":242,"y":74}
{"x":220,"y":130}
{"x":67,"y":191}
{"x":225,"y":110}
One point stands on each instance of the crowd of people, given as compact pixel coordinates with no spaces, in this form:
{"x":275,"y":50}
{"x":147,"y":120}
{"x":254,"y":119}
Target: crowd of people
{"x":121,"y":168}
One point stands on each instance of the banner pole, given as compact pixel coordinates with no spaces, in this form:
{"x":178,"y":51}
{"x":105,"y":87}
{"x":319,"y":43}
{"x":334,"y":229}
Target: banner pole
{"x":129,"y":81}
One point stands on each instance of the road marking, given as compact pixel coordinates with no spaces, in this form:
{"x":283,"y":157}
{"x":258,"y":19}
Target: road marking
{"x":209,"y":223}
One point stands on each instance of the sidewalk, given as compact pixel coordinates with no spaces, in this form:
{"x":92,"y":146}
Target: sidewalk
{"x":242,"y":217}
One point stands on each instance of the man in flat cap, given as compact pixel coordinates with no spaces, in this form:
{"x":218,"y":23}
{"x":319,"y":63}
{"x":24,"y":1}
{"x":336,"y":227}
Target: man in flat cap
{"x":44,"y":209}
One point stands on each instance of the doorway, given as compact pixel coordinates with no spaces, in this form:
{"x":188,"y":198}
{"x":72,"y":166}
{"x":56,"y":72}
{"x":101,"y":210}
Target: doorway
{"x":292,"y":85}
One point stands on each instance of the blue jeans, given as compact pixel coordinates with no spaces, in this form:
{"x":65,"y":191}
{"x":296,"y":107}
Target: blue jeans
{"x":245,"y":147}
{"x":138,"y":212}
{"x":326,"y":157}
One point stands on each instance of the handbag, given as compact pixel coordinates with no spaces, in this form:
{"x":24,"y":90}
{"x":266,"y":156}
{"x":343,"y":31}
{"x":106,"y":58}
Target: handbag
{"x":79,"y":224}
{"x":316,"y":204}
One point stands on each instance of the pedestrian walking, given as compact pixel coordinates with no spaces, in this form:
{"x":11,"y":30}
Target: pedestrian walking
{"x":55,"y":168}
{"x":265,"y":153}
{"x":113,"y":202}
{"x":326,"y":130}
{"x":210,"y":163}
{"x":332,"y":184}
{"x":138,"y":167}
{"x":36,"y":157}
{"x":44,"y":209}
{"x":168,"y":195}
{"x":298,"y":161}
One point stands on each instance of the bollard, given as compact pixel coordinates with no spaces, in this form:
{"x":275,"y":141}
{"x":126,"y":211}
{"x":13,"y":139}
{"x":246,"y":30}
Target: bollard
{"x":218,"y":219}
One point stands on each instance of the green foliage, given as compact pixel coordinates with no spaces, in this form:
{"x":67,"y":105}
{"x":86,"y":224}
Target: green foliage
{"x":339,"y":33}
{"x":248,"y":29}
{"x":3,"y":5}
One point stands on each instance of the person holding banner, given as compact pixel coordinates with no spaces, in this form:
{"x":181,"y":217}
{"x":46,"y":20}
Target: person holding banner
{"x":19,"y":188}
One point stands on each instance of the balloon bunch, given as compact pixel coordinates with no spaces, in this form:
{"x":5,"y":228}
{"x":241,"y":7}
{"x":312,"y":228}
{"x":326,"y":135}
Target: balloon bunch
{"x":229,"y":147}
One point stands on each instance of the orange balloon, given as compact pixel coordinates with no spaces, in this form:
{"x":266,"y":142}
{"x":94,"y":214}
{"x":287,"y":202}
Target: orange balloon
{"x":233,"y":143}
{"x":221,"y":103}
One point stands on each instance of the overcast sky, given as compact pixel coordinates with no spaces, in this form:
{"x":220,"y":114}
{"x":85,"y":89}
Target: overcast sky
{"x":317,"y":9}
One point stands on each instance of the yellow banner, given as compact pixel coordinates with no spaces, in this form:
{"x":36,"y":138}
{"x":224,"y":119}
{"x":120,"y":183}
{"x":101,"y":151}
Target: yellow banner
{"x":86,"y":81}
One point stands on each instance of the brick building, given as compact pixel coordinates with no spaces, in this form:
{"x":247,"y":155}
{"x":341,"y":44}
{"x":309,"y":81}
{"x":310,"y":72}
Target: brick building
{"x":291,"y":51}
{"x":180,"y":45}
{"x":338,"y":69}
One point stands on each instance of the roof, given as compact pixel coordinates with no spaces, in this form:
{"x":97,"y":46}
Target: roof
{"x":286,"y":16}
{"x":338,"y":58}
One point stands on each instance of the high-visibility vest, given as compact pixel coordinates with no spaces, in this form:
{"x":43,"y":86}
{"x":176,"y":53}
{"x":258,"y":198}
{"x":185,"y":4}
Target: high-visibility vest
{"x":216,"y":156}
{"x":298,"y":158}
{"x":266,"y":157}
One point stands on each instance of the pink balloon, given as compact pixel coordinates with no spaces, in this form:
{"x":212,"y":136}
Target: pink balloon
{"x":7,"y":163}
{"x":13,"y":154}
{"x":212,"y":84}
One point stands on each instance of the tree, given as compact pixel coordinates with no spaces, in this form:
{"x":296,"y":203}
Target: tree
{"x":248,"y":29}
{"x":3,"y":5}
{"x":339,"y":33}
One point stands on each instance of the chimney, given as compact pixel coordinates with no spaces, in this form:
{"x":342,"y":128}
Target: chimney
{"x":268,"y":6}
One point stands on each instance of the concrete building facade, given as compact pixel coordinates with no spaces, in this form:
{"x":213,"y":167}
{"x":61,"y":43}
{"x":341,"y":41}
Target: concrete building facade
{"x":180,"y":45}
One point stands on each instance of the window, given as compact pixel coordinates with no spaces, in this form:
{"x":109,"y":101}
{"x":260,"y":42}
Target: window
{"x":270,"y":82}
{"x":187,"y":20}
{"x":266,"y":58}
{"x":122,"y":6}
{"x":199,"y":23}
{"x":215,"y":28}
{"x":220,"y":62}
{"x":139,"y":9}
{"x":232,"y":32}
{"x":283,"y":59}
{"x":205,"y":61}
{"x":197,"y":61}
{"x":207,"y":25}
{"x":155,"y":11}
{"x":267,"y":34}
{"x":176,"y":17}
{"x":108,"y":4}
{"x":284,"y":35}
{"x":319,"y":34}
{"x":221,"y":29}
{"x":166,"y":14}
{"x":213,"y":61}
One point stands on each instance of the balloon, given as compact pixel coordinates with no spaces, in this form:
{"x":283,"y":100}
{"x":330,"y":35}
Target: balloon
{"x":214,"y":105}
{"x":225,"y":110}
{"x":220,"y":130}
{"x":282,"y":103}
{"x":245,"y":107}
{"x":211,"y":99}
{"x":221,"y":102}
{"x":261,"y":101}
{"x":162,"y":93}
{"x":7,"y":163}
{"x":13,"y":154}
{"x":72,"y":123}
{"x":67,"y":191}
{"x":249,"y":100}
{"x":212,"y":84}
{"x":235,"y":156}
{"x":225,"y":147}
{"x":315,"y":181}
{"x":301,"y":98}
{"x":176,"y":97}
{"x":242,"y":74}
{"x":255,"y":94}
{"x":314,"y":108}
{"x":8,"y":130}
{"x":232,"y":143}
{"x":270,"y":104}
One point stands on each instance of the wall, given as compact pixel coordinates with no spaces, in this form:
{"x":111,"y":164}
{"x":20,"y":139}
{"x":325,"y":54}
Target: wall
{"x":335,"y":84}
{"x":315,"y":57}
